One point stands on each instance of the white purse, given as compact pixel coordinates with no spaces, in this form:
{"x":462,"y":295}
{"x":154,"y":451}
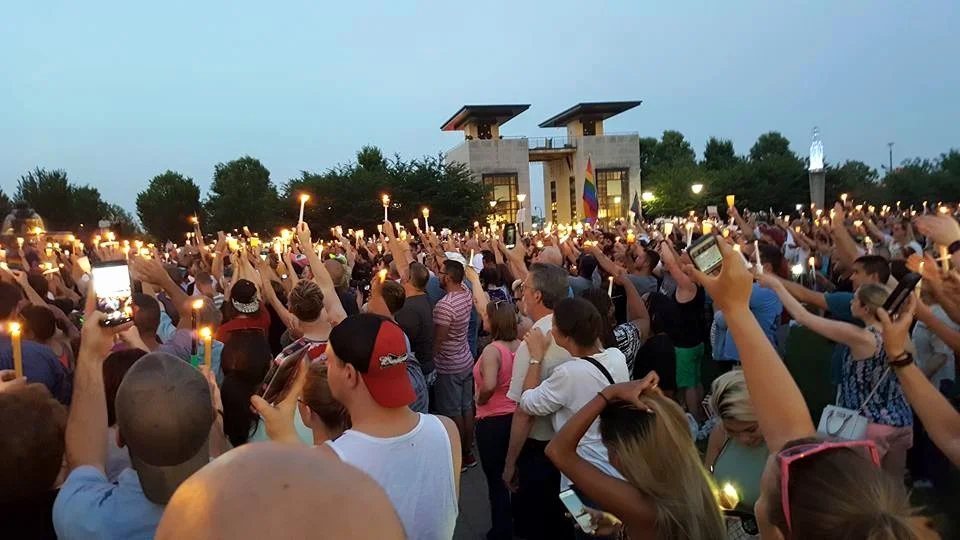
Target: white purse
{"x":847,"y":424}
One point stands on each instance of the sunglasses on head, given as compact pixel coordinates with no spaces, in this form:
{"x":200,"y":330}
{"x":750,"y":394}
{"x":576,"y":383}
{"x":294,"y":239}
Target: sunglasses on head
{"x":802,"y":451}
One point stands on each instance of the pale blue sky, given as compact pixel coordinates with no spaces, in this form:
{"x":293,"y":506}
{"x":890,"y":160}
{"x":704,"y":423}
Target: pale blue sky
{"x":117,"y":91}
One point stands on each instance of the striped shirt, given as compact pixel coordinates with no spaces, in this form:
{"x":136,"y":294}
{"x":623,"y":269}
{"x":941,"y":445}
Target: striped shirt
{"x":453,"y":311}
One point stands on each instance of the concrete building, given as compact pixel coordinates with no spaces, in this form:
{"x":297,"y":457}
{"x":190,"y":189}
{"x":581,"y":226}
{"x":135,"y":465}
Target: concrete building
{"x":503,"y":163}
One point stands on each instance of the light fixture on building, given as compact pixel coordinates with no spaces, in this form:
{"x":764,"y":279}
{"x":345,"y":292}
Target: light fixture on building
{"x":493,"y":204}
{"x":617,"y":199}
{"x":647,"y":196}
{"x":696,"y":188}
{"x":521,"y":197}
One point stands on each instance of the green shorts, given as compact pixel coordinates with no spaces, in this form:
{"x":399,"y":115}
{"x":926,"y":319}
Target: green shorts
{"x":688,"y":366}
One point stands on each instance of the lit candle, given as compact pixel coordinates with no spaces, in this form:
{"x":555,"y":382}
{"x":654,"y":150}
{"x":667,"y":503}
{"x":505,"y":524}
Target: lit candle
{"x":17,"y":349}
{"x":207,"y":335}
{"x":756,"y":256}
{"x":689,"y":232}
{"x":707,"y":227}
{"x":197,"y":305}
{"x":476,"y":224}
{"x":470,"y":262}
{"x":945,"y":259}
{"x":843,"y":198}
{"x":20,"y":242}
{"x":426,"y":216}
{"x":303,"y":203}
{"x":730,"y":200}
{"x":610,"y":287}
{"x":726,"y":233}
{"x":386,"y":203}
{"x":920,"y":283}
{"x":383,"y":275}
{"x":667,"y":228}
{"x":869,"y":242}
{"x":416,"y":224}
{"x":194,"y":220}
{"x":728,"y":497}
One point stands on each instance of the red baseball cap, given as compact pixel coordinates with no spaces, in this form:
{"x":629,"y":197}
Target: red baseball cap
{"x":377,"y":348}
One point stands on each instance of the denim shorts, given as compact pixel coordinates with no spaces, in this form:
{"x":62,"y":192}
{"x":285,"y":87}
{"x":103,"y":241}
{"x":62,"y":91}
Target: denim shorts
{"x":453,"y":394}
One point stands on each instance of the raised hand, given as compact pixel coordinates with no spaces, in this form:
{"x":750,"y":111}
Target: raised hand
{"x":943,"y":230}
{"x":731,"y":289}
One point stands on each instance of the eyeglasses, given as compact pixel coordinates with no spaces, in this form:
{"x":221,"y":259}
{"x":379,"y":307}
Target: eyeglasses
{"x":796,"y":453}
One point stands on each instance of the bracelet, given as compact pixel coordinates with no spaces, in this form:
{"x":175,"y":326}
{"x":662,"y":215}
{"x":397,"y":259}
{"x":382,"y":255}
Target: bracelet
{"x":954,"y":247}
{"x":902,"y":360}
{"x":600,"y":393}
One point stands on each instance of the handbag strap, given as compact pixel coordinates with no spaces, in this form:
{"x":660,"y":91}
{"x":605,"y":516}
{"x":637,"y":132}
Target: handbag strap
{"x":599,"y":366}
{"x":874,"y":391}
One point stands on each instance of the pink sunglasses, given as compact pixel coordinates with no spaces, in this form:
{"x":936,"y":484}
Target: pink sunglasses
{"x":796,"y":453}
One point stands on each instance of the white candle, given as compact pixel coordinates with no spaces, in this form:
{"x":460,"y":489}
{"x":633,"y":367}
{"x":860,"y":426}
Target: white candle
{"x":945,"y":259}
{"x":303,"y":203}
{"x":610,"y":287}
{"x":756,"y":256}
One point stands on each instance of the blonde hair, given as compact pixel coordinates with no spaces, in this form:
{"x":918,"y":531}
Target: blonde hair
{"x":730,"y":398}
{"x":656,"y":454}
{"x":872,"y":296}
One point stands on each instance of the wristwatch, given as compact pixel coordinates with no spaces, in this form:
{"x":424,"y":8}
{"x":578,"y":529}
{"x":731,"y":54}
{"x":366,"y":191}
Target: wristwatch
{"x":904,"y":359}
{"x":534,"y":361}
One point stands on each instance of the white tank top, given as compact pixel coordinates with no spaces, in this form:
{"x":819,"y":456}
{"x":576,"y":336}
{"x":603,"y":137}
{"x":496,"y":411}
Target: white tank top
{"x":415,"y":470}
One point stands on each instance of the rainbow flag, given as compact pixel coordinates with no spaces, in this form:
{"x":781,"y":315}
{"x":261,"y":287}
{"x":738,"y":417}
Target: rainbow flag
{"x":589,"y":194}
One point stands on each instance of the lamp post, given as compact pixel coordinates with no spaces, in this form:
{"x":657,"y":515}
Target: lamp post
{"x":696,"y":188}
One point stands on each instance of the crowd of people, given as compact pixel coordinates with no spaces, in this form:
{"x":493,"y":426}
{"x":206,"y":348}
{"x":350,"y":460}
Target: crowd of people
{"x":351,"y":382}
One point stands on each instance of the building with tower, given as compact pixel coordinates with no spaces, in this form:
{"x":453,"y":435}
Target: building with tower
{"x":503,"y":162}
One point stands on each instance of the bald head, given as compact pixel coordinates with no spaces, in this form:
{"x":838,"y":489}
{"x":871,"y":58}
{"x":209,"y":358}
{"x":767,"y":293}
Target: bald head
{"x":273,"y":490}
{"x":551,"y":255}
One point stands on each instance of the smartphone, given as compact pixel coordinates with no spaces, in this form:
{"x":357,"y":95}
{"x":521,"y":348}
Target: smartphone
{"x":111,"y":283}
{"x":899,"y":295}
{"x":283,"y":371}
{"x":510,"y":235}
{"x":84,"y":264}
{"x":705,"y":254}
{"x":575,"y":507}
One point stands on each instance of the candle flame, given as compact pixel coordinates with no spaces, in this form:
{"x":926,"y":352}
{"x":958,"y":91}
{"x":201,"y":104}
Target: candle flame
{"x":197,"y":304}
{"x":206,"y":332}
{"x":15,"y":328}
{"x":304,"y":198}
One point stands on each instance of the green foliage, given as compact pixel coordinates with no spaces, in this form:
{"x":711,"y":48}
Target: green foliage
{"x":6,"y":205}
{"x":673,"y":151}
{"x":719,"y":155}
{"x":167,"y":204}
{"x":241,"y":194}
{"x":123,"y":223}
{"x":349,"y":195}
{"x":61,"y":204}
{"x":770,"y":145}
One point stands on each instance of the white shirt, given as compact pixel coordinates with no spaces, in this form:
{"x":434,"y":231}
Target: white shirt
{"x":928,"y":345}
{"x":415,"y":470}
{"x":542,"y":430}
{"x":568,"y":388}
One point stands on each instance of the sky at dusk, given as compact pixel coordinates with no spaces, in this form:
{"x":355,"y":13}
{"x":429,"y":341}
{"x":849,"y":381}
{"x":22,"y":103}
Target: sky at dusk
{"x":117,"y":92}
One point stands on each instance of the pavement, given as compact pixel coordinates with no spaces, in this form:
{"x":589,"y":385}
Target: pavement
{"x":474,"y":519}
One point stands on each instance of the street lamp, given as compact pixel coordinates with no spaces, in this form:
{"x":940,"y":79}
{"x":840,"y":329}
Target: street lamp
{"x":522,"y":216}
{"x":696,"y":188}
{"x":647,"y":196}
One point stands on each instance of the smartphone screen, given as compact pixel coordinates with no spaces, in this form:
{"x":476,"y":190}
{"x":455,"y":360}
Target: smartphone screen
{"x":111,"y":282}
{"x":283,"y":371}
{"x":510,"y":235}
{"x":705,"y":254}
{"x":899,"y":295}
{"x":575,"y":507}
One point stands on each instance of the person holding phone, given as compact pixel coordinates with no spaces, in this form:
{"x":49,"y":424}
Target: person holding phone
{"x":865,"y":383}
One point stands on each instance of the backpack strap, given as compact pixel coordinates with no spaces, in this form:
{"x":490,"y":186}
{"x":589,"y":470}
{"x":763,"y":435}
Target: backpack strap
{"x":599,"y":366}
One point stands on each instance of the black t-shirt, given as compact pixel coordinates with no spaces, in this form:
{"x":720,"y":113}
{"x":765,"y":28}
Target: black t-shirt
{"x":416,"y":320}
{"x":31,"y":518}
{"x":348,"y":297}
{"x":682,"y":322}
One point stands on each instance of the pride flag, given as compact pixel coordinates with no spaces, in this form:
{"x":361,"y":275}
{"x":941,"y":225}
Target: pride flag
{"x":589,"y":194}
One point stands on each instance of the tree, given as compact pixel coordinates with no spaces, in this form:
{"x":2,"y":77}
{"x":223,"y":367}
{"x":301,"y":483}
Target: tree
{"x":647,"y":147}
{"x":349,"y":194}
{"x":855,"y":178}
{"x":61,"y":204}
{"x":241,"y":194}
{"x":122,"y":222}
{"x":673,"y":151}
{"x":6,"y":205}
{"x":770,"y":145}
{"x":167,"y":204}
{"x":718,"y":155}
